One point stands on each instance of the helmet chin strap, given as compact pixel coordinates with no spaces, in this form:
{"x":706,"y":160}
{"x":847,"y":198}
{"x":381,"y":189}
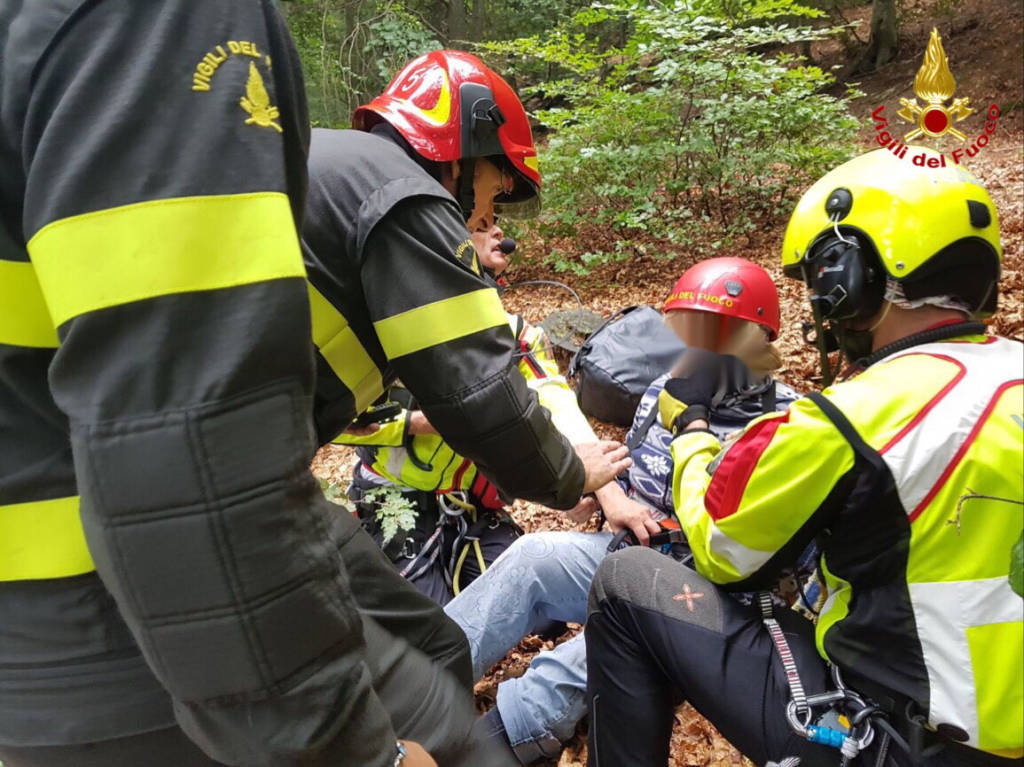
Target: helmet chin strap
{"x":855,"y":345}
{"x":820,"y":340}
{"x":465,"y":194}
{"x":885,"y":313}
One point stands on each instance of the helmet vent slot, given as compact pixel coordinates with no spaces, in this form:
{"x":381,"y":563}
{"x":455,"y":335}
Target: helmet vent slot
{"x":980,"y":216}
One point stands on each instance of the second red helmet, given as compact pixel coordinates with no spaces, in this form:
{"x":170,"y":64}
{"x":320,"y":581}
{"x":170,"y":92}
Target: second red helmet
{"x":732,"y":287}
{"x":450,"y":106}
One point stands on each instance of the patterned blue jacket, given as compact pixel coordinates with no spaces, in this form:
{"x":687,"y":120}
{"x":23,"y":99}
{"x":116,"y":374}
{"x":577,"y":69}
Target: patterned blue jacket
{"x":649,"y":480}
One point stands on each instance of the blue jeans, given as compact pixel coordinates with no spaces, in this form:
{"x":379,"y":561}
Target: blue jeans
{"x":541,"y":577}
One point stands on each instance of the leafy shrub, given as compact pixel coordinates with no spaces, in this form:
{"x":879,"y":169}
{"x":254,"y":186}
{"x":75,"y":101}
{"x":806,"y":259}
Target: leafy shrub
{"x":350,"y":52}
{"x":332,"y":492}
{"x":394,"y":511}
{"x":699,"y":120}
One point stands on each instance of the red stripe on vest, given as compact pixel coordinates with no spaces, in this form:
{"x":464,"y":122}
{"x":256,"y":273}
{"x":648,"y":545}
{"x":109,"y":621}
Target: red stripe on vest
{"x":723,"y":495}
{"x":964,"y":447}
{"x":486,"y":493}
{"x":457,"y":478}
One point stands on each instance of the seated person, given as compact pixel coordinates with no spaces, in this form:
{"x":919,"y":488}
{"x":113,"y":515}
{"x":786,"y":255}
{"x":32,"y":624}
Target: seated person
{"x":722,"y":304}
{"x":909,"y":474}
{"x":461,"y":525}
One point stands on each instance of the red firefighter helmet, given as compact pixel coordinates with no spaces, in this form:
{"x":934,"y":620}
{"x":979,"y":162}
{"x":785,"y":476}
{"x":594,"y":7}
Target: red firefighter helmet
{"x":450,"y":106}
{"x":732,"y":287}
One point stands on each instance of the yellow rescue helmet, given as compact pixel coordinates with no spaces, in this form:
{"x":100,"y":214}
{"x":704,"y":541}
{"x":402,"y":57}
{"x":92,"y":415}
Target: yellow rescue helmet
{"x":931,"y":224}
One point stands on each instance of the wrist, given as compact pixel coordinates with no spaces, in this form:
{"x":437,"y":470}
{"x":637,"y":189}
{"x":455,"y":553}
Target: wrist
{"x":691,"y":415}
{"x":609,"y":493}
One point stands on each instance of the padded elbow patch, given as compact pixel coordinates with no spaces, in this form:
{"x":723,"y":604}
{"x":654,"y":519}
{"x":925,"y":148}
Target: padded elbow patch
{"x":209,"y":530}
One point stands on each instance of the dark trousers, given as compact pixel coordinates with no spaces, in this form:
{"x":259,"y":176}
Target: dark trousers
{"x":162,"y":748}
{"x":418,"y":658}
{"x":658,"y":634}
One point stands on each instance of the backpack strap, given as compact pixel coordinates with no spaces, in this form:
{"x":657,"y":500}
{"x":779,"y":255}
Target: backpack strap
{"x":769,"y":401}
{"x":640,"y":434}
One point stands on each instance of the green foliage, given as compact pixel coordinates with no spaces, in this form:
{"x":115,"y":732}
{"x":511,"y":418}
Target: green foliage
{"x":333,"y":493}
{"x":698,"y":120}
{"x":394,"y":511}
{"x":350,"y":51}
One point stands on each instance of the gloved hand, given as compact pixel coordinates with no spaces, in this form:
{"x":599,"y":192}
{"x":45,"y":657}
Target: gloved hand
{"x":687,"y":398}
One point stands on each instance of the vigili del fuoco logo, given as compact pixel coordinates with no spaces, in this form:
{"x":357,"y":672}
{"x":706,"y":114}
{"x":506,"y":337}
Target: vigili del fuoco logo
{"x":933,"y":113}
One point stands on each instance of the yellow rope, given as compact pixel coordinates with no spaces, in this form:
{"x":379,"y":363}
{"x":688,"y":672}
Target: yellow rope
{"x":465,"y":549}
{"x":458,"y":570}
{"x":480,"y":557}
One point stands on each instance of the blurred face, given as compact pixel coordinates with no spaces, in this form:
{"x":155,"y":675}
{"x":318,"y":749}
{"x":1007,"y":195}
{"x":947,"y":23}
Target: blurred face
{"x":486,"y":240}
{"x":488,"y":182}
{"x":704,"y":330}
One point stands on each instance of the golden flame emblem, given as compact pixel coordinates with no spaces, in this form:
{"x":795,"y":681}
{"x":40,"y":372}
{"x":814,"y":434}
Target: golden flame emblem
{"x":256,"y":102}
{"x":934,"y":85}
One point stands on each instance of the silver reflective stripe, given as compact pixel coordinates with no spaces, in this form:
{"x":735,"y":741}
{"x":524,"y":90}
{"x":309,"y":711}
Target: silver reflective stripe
{"x":943,"y":611}
{"x":917,"y":461}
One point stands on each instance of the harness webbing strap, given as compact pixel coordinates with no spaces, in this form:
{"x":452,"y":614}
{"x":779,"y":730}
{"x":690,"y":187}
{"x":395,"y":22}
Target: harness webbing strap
{"x":641,"y":433}
{"x":796,"y":687}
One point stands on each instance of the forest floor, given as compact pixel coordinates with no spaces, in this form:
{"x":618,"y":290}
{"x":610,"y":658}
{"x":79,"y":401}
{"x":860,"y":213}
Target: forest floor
{"x":984,"y":43}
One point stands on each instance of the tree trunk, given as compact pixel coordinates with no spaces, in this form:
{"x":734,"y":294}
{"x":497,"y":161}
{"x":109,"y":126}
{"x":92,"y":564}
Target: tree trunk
{"x":884,"y":39}
{"x":456,"y":21}
{"x":476,"y":21}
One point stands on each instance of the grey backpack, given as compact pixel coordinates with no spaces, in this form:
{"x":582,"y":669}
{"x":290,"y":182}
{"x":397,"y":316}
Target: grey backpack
{"x":619,"y":360}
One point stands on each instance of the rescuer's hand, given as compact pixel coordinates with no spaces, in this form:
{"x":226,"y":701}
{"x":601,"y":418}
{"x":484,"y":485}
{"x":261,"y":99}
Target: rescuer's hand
{"x":602,"y":461}
{"x":416,"y":755}
{"x":622,"y":512}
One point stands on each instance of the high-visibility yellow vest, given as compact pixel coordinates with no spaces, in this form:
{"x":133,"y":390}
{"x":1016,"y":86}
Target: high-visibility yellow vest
{"x":911,"y":473}
{"x":426,"y":462}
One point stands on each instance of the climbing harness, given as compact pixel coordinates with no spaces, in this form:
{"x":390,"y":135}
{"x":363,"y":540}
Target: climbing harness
{"x":456,"y":506}
{"x":457,"y":513}
{"x":851,"y":718}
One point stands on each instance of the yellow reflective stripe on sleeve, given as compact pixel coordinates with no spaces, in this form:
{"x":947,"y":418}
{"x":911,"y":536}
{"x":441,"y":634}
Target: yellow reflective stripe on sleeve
{"x":439,"y":322}
{"x":691,"y":455}
{"x":339,"y":345}
{"x":42,"y":539}
{"x":24,"y":318}
{"x":157,"y":248}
